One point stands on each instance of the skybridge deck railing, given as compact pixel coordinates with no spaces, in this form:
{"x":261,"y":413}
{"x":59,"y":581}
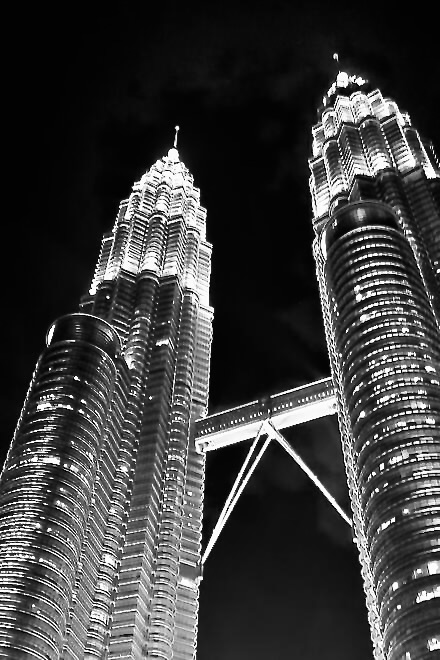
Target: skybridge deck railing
{"x":285,"y":409}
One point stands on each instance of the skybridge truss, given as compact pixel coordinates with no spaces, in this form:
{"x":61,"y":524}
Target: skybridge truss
{"x":262,"y":421}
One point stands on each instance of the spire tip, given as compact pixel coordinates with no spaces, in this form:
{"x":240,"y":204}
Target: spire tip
{"x":176,"y":128}
{"x":173,"y":154}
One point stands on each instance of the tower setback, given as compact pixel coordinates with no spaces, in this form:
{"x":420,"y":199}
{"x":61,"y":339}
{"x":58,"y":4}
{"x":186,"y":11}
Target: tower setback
{"x":375,"y":188}
{"x":101,"y":493}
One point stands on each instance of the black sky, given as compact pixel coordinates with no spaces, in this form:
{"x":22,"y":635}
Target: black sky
{"x":92,"y":95}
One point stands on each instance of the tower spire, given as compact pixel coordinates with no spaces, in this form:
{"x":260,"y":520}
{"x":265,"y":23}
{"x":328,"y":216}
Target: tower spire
{"x":173,"y":154}
{"x":337,"y":65}
{"x":342,"y":80}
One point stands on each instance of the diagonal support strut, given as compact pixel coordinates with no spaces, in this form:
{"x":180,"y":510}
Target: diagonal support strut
{"x":276,"y":435}
{"x":238,"y":487}
{"x":267,"y":428}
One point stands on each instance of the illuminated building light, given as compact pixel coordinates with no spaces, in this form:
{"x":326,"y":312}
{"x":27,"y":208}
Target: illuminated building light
{"x":433,"y":644}
{"x":428,"y":595}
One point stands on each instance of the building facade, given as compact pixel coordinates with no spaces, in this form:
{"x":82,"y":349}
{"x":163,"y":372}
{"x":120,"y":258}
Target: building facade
{"x":101,"y":493}
{"x":375,"y":186}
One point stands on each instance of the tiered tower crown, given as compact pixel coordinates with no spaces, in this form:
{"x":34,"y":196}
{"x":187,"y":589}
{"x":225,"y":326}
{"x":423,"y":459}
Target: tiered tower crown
{"x":344,"y":84}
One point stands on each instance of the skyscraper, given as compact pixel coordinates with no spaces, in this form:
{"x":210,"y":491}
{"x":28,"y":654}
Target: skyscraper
{"x":101,"y":493}
{"x":375,"y":186}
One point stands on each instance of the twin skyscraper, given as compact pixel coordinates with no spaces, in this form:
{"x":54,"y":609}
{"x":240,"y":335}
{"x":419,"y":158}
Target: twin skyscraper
{"x":101,"y":495}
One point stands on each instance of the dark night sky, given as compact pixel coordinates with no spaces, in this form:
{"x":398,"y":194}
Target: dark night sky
{"x":92,"y":99}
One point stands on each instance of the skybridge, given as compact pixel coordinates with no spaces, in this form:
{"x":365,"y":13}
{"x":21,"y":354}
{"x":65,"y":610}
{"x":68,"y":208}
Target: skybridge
{"x":285,"y":409}
{"x":262,"y":421}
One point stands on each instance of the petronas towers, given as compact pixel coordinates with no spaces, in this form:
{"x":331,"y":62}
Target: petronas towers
{"x":101,"y":495}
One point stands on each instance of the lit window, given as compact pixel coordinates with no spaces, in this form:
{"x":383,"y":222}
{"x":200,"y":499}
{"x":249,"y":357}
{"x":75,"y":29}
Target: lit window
{"x":428,"y":595}
{"x":433,"y":644}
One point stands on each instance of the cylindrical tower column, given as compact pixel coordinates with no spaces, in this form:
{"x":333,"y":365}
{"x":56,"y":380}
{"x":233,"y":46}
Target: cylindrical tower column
{"x":388,"y":356}
{"x":47,"y":484}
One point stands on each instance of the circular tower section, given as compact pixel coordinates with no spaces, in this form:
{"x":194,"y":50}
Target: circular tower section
{"x":388,"y":358}
{"x":48,"y":481}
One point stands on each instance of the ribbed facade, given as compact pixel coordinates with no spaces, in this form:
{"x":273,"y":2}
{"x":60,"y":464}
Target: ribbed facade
{"x":375,"y":189}
{"x":102,"y":490}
